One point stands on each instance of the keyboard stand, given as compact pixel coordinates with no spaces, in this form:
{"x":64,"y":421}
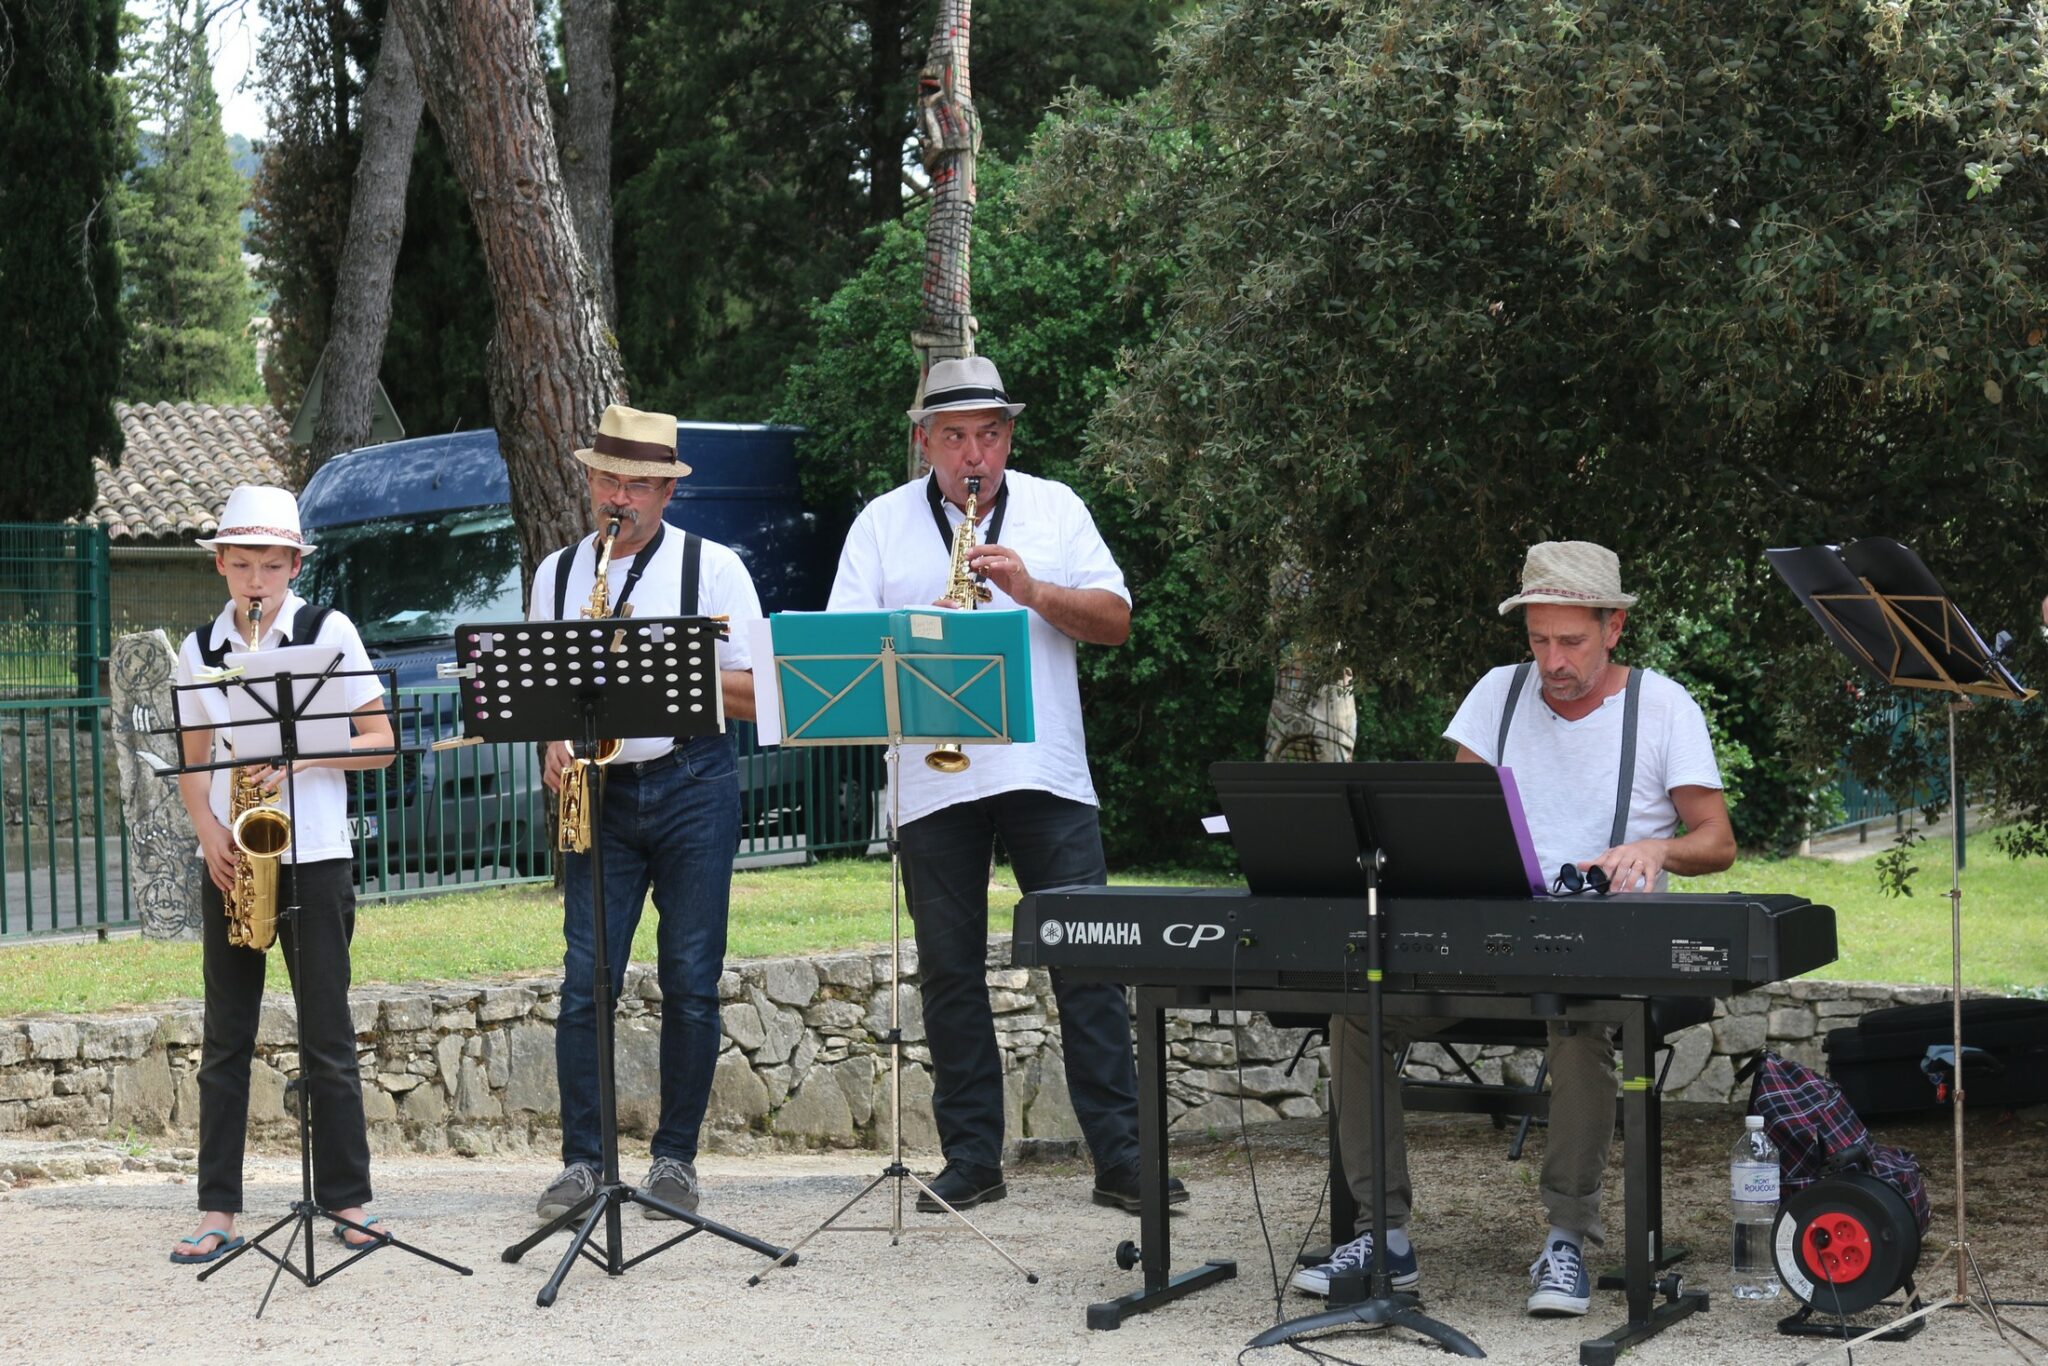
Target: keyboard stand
{"x":1654,"y":1302}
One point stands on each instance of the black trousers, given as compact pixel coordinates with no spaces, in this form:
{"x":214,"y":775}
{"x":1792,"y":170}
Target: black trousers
{"x":1052,"y":842}
{"x":314,"y":946}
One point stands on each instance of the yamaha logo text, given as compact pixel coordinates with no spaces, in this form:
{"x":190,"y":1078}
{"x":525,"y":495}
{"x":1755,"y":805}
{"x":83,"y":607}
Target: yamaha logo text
{"x":1119,"y":932}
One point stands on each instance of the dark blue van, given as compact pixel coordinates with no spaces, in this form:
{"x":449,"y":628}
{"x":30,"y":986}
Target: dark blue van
{"x":415,"y":537}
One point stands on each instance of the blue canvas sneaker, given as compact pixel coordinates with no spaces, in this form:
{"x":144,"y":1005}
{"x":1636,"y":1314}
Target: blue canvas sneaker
{"x":1557,"y":1281}
{"x":1355,"y":1258}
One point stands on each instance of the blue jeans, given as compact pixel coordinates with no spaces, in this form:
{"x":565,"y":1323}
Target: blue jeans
{"x":672,"y":824}
{"x":1052,"y":842}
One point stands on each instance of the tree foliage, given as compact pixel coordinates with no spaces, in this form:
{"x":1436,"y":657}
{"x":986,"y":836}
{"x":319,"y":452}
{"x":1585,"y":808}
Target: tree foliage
{"x":1690,"y":279}
{"x":759,"y":139}
{"x":188,"y":297}
{"x":1056,"y":311}
{"x":60,"y":276}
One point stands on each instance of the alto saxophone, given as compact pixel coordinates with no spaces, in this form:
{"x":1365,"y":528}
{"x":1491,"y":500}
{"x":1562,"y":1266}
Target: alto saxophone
{"x":966,"y":594}
{"x":572,"y":815}
{"x":262,"y":832}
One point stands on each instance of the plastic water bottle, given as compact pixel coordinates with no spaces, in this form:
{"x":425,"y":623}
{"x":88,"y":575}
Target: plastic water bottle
{"x":1753,"y":1202}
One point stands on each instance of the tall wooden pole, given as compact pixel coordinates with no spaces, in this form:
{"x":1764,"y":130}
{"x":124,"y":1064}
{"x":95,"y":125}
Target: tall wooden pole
{"x":948,"y":137}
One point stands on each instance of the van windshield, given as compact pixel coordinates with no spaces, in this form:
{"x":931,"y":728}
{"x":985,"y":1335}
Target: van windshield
{"x":412,"y":580}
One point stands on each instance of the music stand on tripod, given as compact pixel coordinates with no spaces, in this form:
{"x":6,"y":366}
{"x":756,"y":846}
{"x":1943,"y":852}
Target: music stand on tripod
{"x":1885,"y":610}
{"x":594,"y":680}
{"x":270,"y":695}
{"x":884,"y":678}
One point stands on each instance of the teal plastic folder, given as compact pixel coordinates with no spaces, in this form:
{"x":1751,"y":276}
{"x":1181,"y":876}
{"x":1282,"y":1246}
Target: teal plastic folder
{"x":957,"y":676}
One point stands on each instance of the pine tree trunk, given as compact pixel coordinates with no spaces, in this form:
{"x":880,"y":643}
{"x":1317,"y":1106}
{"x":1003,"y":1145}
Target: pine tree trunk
{"x":587,"y":135}
{"x":948,"y":137}
{"x":369,"y":254}
{"x":553,"y":363}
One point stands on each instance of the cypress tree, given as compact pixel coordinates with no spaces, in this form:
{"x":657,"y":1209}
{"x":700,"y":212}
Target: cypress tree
{"x":189,"y":292}
{"x":60,"y":277}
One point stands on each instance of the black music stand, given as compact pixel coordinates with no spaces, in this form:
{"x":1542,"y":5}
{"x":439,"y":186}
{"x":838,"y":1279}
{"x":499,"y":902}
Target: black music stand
{"x":537,"y":681}
{"x":838,"y":710}
{"x":1340,"y":818}
{"x":1884,"y":609}
{"x":288,"y":704}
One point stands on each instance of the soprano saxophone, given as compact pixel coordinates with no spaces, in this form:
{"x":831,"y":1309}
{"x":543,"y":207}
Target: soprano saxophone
{"x":966,"y":594}
{"x":262,"y":832}
{"x":572,"y":824}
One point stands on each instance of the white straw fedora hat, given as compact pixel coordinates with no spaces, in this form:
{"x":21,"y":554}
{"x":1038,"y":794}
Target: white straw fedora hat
{"x":957,"y":385}
{"x":635,"y":445}
{"x":1572,"y":573}
{"x":257,"y":514}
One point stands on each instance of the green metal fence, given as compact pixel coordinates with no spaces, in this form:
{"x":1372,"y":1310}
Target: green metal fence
{"x":63,"y":865}
{"x":53,"y":622}
{"x":478,"y":815}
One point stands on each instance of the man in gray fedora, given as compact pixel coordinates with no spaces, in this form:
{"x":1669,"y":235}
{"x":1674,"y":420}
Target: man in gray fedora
{"x":1569,"y":740}
{"x":1037,"y":549}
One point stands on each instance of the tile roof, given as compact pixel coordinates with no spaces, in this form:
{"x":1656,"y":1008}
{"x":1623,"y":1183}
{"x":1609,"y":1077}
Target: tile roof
{"x":179,"y":462}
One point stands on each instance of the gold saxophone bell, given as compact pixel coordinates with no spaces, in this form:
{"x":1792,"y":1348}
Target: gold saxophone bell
{"x":965,"y":593}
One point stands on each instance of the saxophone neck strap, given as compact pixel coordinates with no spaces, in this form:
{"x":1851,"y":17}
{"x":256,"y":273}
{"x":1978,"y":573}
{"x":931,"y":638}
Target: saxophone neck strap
{"x":994,"y":531}
{"x":641,"y":560}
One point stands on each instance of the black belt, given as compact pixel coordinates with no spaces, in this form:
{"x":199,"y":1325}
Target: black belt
{"x":643,"y":766}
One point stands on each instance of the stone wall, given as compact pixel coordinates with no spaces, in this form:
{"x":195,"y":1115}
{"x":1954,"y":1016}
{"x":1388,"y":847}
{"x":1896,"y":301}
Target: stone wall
{"x":471,"y":1067}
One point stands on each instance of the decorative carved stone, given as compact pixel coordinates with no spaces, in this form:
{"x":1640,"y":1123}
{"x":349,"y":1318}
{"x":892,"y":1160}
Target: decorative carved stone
{"x":163,"y":851}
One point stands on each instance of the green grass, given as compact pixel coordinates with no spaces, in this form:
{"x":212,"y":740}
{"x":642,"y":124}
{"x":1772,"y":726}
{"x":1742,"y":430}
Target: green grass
{"x":1906,"y":939}
{"x":845,"y":903}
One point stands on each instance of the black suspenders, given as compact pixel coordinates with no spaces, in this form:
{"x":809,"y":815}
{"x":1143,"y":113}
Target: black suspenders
{"x":693,"y":558}
{"x":1631,"y":706}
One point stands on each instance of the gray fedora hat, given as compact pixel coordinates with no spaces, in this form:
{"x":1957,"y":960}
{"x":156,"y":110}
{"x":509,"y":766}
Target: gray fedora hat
{"x":1572,"y":573}
{"x":957,"y":385}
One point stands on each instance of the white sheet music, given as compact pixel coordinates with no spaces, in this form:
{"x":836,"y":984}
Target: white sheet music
{"x":252,"y":701}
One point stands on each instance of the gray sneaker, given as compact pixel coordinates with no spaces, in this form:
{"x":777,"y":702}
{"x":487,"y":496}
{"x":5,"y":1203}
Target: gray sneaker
{"x":566,"y":1191}
{"x":673,"y":1182}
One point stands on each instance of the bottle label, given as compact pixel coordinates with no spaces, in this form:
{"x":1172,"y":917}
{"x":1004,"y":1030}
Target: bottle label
{"x":1754,"y":1182}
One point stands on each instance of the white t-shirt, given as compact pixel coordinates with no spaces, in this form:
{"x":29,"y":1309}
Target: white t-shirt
{"x":1566,"y":770}
{"x":724,"y":588}
{"x":895,"y":557}
{"x":317,"y":798}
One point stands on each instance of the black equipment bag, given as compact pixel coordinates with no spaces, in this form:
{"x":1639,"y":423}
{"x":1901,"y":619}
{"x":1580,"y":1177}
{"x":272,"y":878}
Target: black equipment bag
{"x":1883,"y":1064}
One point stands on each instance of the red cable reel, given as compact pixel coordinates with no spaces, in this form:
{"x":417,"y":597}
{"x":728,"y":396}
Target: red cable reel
{"x":1845,"y":1243}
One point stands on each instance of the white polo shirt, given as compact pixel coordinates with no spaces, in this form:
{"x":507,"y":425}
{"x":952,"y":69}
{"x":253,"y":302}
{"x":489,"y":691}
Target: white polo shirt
{"x":724,"y":588}
{"x":895,"y":557}
{"x":1566,"y":770}
{"x":317,"y":798}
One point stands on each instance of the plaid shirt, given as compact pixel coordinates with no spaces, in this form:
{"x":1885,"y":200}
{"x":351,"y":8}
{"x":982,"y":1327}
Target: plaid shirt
{"x":1817,"y":1132}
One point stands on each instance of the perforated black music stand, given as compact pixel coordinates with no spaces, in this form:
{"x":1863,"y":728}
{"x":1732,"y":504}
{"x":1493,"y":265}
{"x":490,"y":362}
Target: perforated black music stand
{"x":290,"y":703}
{"x":609,"y":678}
{"x":1882,"y":606}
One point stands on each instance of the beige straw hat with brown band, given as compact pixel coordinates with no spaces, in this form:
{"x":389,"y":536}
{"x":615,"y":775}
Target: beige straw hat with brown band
{"x":635,"y":445}
{"x":1571,"y":573}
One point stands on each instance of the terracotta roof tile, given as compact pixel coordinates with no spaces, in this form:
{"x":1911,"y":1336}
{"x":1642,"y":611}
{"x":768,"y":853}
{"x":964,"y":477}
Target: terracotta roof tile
{"x":180,"y":461}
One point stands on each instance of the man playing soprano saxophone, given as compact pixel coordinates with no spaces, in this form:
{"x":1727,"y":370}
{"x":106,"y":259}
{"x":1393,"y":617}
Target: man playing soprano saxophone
{"x":1039,"y":550}
{"x":671,"y":811}
{"x":259,"y":550}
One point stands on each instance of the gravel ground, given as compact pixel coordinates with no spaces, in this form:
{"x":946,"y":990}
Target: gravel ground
{"x":86,"y":1277}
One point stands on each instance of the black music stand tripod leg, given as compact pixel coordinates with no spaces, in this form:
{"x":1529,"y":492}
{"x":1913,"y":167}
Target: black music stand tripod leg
{"x":1383,"y":1307}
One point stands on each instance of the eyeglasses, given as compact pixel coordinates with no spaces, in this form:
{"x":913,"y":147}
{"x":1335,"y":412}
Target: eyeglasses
{"x":1570,"y":881}
{"x":610,"y":485}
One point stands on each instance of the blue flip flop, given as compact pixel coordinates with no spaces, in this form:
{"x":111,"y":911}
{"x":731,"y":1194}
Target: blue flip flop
{"x":228,"y":1243}
{"x":341,"y":1232}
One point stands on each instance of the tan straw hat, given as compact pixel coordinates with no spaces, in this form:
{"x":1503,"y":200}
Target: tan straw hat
{"x":635,"y":445}
{"x":954,"y":386}
{"x":1571,"y":573}
{"x":258,"y":514}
